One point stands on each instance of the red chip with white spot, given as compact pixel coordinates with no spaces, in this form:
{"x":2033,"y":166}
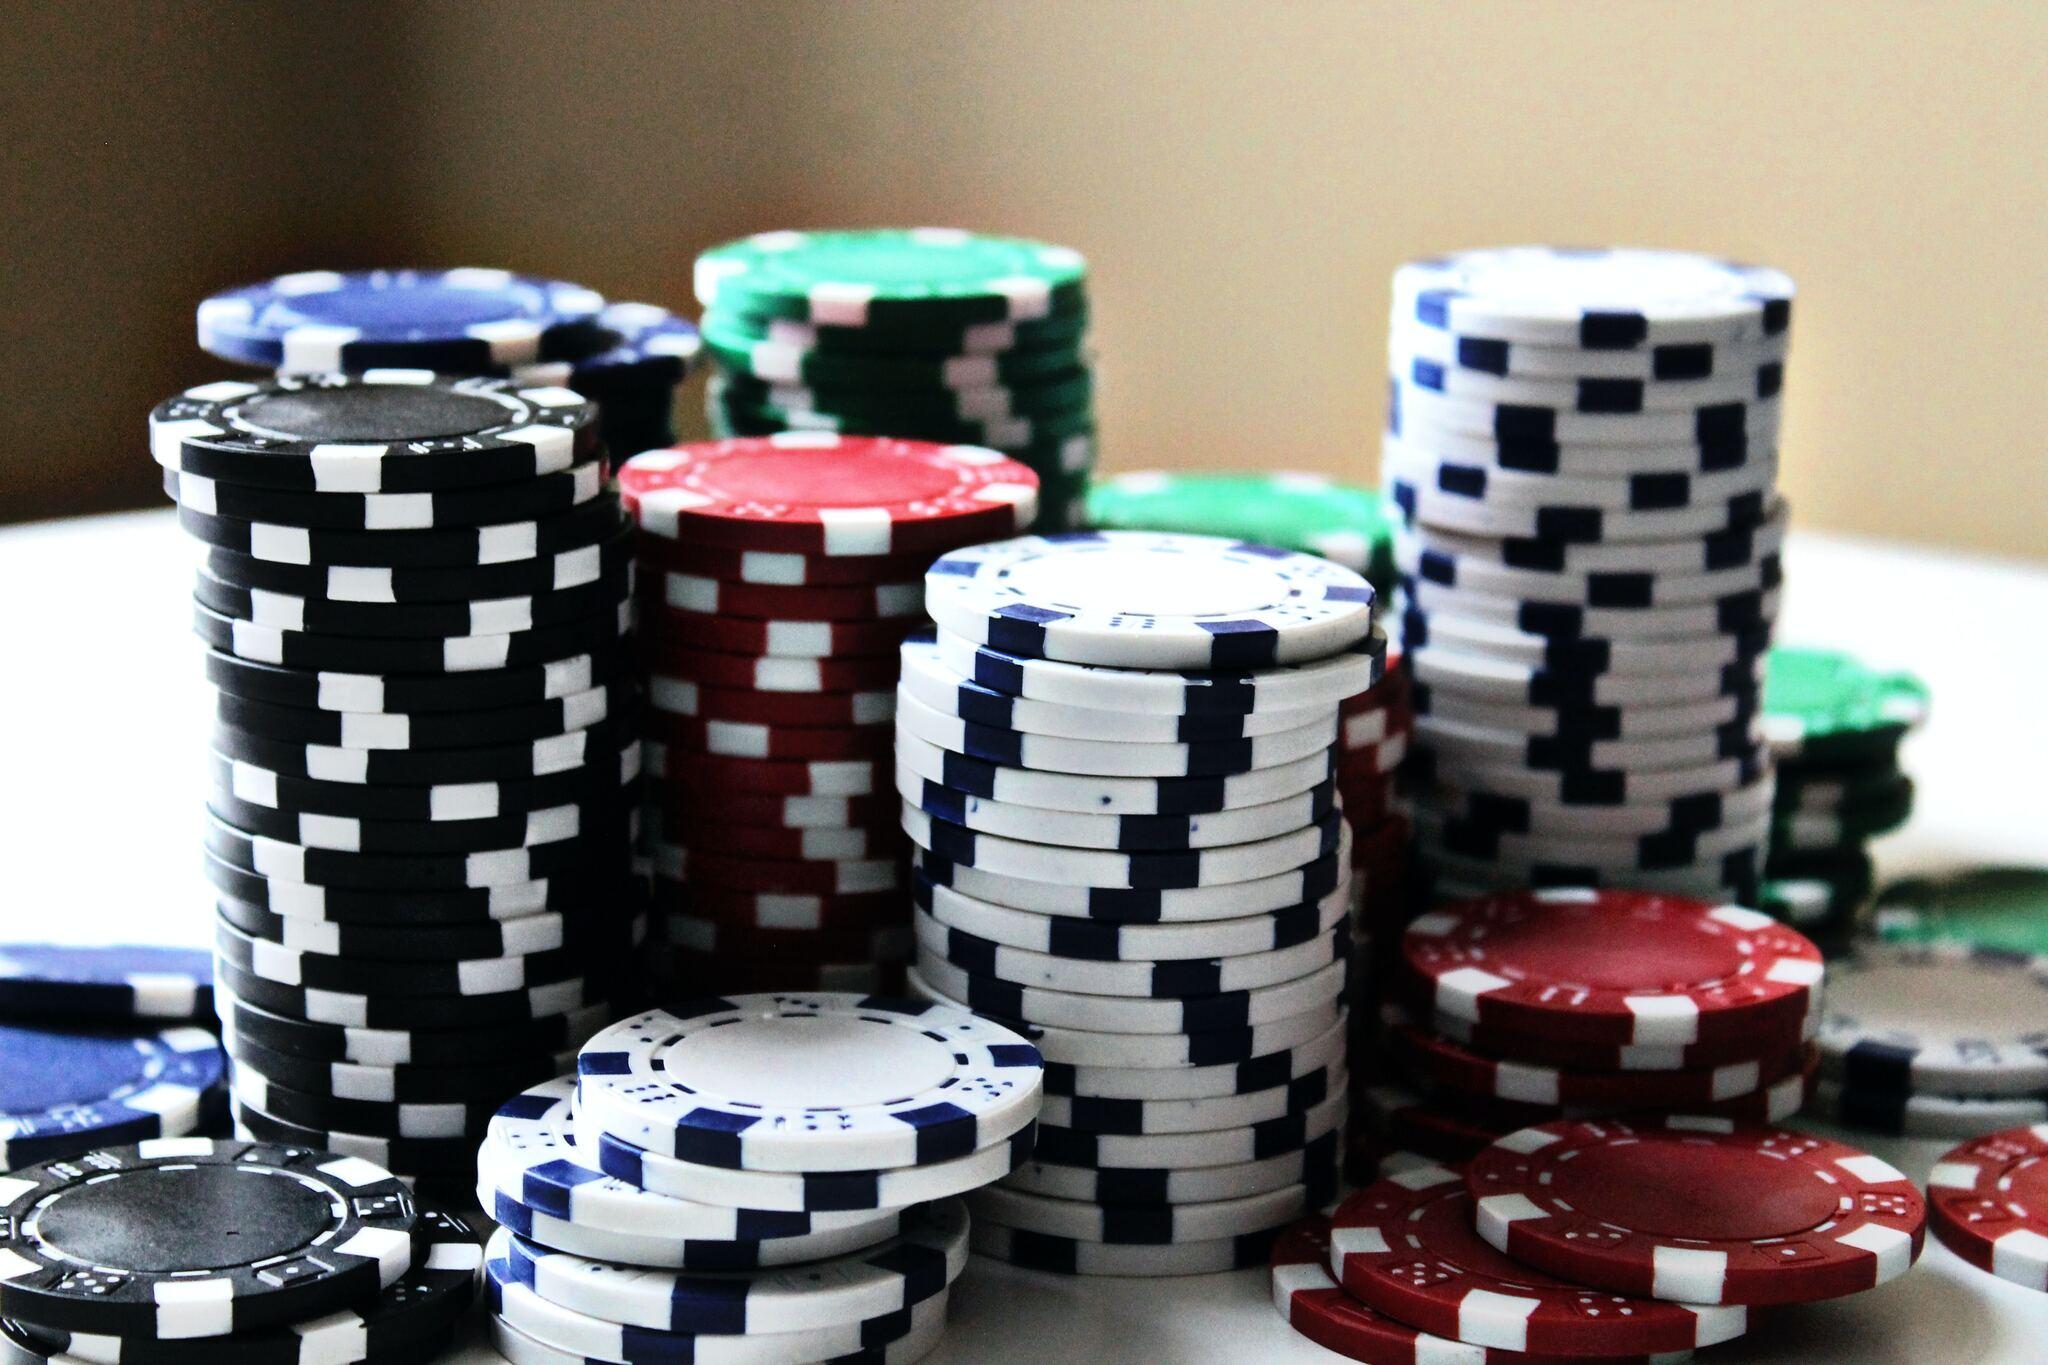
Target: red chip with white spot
{"x":1989,"y":1202}
{"x":1621,"y":967}
{"x":819,"y":493}
{"x":1697,"y":1210}
{"x":1404,"y":1245}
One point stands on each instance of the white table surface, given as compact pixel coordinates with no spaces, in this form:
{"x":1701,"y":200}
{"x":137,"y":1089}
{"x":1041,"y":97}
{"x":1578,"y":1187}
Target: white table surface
{"x":105,"y":707}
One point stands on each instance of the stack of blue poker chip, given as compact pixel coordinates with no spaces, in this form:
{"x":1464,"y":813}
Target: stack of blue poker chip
{"x":927,"y":333}
{"x":751,"y":1178}
{"x":1122,"y":765}
{"x":1582,"y":446}
{"x":628,"y":358}
{"x":423,"y":779}
{"x":67,"y":1089}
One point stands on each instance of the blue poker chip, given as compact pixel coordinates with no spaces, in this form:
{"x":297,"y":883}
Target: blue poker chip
{"x":644,"y":349}
{"x":52,"y":981}
{"x":464,"y":321}
{"x":64,"y":1093}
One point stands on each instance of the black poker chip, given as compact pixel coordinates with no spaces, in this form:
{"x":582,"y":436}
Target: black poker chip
{"x":599,"y":784}
{"x":388,"y":730}
{"x":552,"y":825}
{"x":549,"y":929}
{"x":402,"y":693}
{"x":453,"y":655}
{"x":484,"y":1082}
{"x":463,"y":978}
{"x":414,"y":872}
{"x":372,"y":586}
{"x":383,"y":512}
{"x":343,"y":905}
{"x":595,"y":755}
{"x":435,"y":1046}
{"x":410,"y":1011}
{"x":373,"y":1118}
{"x":192,"y":1237}
{"x":457,"y":547}
{"x":414,"y":620}
{"x":445,"y":1158}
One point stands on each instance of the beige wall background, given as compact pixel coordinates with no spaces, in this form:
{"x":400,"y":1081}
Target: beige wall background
{"x":1242,"y":175}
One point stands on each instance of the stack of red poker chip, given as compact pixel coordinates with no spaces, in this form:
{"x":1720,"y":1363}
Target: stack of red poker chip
{"x":1988,"y":1202}
{"x":778,"y":576}
{"x":1522,"y":1009}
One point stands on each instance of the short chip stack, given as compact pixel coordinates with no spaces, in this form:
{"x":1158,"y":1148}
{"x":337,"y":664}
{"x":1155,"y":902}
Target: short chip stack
{"x":628,"y":358}
{"x":230,"y":1253}
{"x":931,"y":333}
{"x":1835,"y":726}
{"x":1583,"y":446}
{"x":780,"y":575}
{"x":1524,"y":1008}
{"x":1144,"y":869}
{"x":416,"y":603}
{"x":760,"y":1178}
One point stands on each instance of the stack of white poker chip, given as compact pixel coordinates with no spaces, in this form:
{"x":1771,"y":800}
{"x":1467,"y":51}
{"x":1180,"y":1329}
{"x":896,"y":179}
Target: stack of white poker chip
{"x":1583,"y":449}
{"x":1118,"y":758}
{"x":766,"y":1178}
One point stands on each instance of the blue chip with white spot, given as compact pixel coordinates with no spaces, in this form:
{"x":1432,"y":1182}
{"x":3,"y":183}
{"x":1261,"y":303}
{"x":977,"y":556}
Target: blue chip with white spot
{"x":64,"y":1093}
{"x":55,"y":981}
{"x":809,"y":1083}
{"x":1149,"y":599}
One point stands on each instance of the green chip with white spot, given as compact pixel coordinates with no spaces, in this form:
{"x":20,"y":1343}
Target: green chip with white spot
{"x":891,"y":278}
{"x":2002,"y":909}
{"x":1825,"y":705}
{"x":1344,"y":522}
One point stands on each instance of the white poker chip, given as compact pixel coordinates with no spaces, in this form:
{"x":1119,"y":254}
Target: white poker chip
{"x":1452,"y":737}
{"x":1690,"y":555}
{"x":1748,"y":807}
{"x":1467,"y":672}
{"x":1611,"y":722}
{"x":1516,"y":490}
{"x":1422,"y":503}
{"x":1585,"y":394}
{"x":1126,"y":1225}
{"x":1602,"y":299}
{"x":1314,"y":1162}
{"x":1325,"y":682}
{"x":1131,"y":1014}
{"x":1158,"y":1117}
{"x":926,"y":1329}
{"x":1066,"y":1256}
{"x":1927,"y":1116}
{"x":1145,"y":599}
{"x":1284,"y":1066}
{"x":1429,"y":560}
{"x":1744,"y":609}
{"x":1697,"y":656}
{"x":809,"y":1083}
{"x":1108,"y":794}
{"x":1936,"y":1019}
{"x":1418,"y":412}
{"x":1669,"y":363}
{"x":1105,"y":941}
{"x":1185,"y":1151}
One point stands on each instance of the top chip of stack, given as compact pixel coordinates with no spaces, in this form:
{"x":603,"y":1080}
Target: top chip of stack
{"x":1582,"y":446}
{"x":930,"y":333}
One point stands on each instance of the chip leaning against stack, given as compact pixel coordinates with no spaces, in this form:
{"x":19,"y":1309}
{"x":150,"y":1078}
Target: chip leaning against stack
{"x":422,"y":796}
{"x":928,"y":333}
{"x":769,"y":1178}
{"x":780,"y":574}
{"x":1117,"y":760}
{"x":1583,"y":447}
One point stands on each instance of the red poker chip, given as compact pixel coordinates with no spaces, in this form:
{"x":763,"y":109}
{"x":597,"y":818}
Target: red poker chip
{"x":698,"y":934}
{"x":1440,"y":1062}
{"x":696,"y":974}
{"x":770,"y":673}
{"x":1988,"y":1200}
{"x":802,"y":710}
{"x":1318,"y":1308}
{"x":675,"y":807}
{"x":743,"y":739}
{"x":761,"y":841}
{"x":824,"y":494}
{"x":712,"y":776}
{"x":791,"y":639}
{"x":1404,"y":1246}
{"x":773,"y":910}
{"x":777,"y":568}
{"x":773,"y":602}
{"x":1772,"y":1104}
{"x":850,"y":877}
{"x":1367,"y":803}
{"x":1513,"y":1045}
{"x":1406,"y":1120}
{"x":1375,"y":759}
{"x":1609,"y":966}
{"x":1697,"y":1210}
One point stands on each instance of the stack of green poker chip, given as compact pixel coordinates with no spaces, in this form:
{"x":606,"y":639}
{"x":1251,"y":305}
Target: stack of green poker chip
{"x":1835,"y":726}
{"x":1998,"y":909}
{"x":1348,"y":523}
{"x":928,"y":333}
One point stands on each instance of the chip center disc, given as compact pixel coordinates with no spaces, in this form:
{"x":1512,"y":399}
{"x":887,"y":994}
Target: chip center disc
{"x":373,"y":413}
{"x":40,"y":1071}
{"x":813,"y":478}
{"x":1442,"y":1230}
{"x":398,"y":309}
{"x":828,"y":1062}
{"x":168,"y":1218}
{"x":1609,"y":952}
{"x":1147,"y":582}
{"x":1717,"y":1193}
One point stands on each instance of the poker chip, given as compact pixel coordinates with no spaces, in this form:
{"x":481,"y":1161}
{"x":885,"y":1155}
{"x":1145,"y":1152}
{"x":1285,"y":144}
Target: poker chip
{"x":421,"y":1012}
{"x":1592,"y":656}
{"x":491,"y":616}
{"x":454,"y":654}
{"x":1819,"y":704}
{"x":375,"y":586}
{"x":1149,"y":600}
{"x":1925,"y":1115}
{"x":1287,"y":1062}
{"x":1223,"y":900}
{"x":401,"y":693}
{"x":1442,"y":563}
{"x":980,"y":958}
{"x":1995,"y":908}
{"x":390,"y":1085}
{"x":1984,"y":1202}
{"x":65,"y":1092}
{"x":379,"y":1047}
{"x":1313,"y":1164}
{"x":863,"y":602}
{"x":731,"y":565}
{"x":791,"y":639}
{"x":926,"y":1327}
{"x":327,"y":509}
{"x":890,"y":278}
{"x":1068,"y":1256}
{"x":803,"y":710}
{"x":1294,"y":511}
{"x":1936,"y":1019}
{"x":52,"y":982}
{"x":769,"y":673}
{"x":470,"y":547}
{"x":926,"y":338}
{"x":700,"y":1089}
{"x":1193,"y":1148}
{"x":1738,"y":1193}
{"x":1127,"y":1225}
{"x":1087,"y":940}
{"x":743,"y":739}
{"x":1134,"y":833}
{"x":345,"y":1226}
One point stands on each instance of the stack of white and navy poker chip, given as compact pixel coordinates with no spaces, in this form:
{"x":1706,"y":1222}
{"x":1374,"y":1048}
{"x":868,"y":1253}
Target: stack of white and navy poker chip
{"x":930,"y":333}
{"x":417,"y":602}
{"x":770,"y":1178}
{"x":101,"y":1046}
{"x":1643,"y":1022}
{"x":1144,"y":870}
{"x":1583,"y":446}
{"x":1835,"y":726}
{"x":177,"y":1251}
{"x":779,"y":576}
{"x":628,"y":358}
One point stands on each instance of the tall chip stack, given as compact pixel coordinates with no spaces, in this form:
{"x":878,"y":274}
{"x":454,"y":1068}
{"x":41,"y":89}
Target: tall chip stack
{"x":416,"y":604}
{"x":751,"y":1178}
{"x":780,"y":575}
{"x":929,"y":333}
{"x":1117,"y":761}
{"x":1583,"y":447}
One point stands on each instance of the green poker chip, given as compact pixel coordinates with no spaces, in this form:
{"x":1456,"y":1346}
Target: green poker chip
{"x":734,"y":418}
{"x":1823,"y":705}
{"x":1063,"y":392}
{"x":1845,"y":826}
{"x":774,"y":362}
{"x":1344,"y":522}
{"x":891,"y":278}
{"x":2001,"y":909}
{"x":927,"y":344}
